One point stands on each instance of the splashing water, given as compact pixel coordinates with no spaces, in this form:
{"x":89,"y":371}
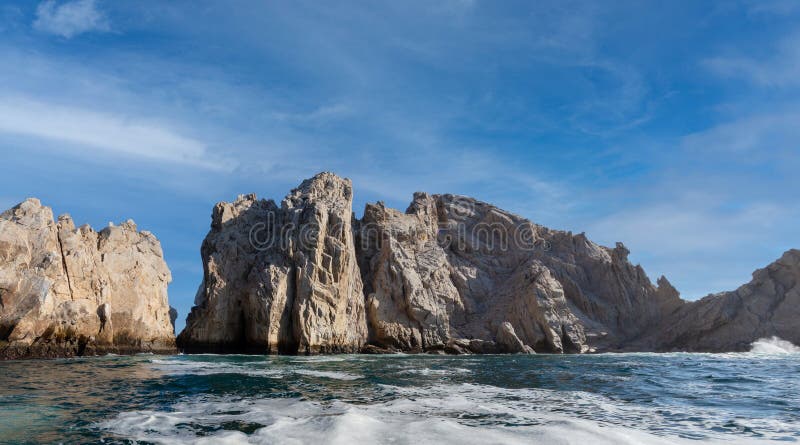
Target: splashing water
{"x":774,"y":345}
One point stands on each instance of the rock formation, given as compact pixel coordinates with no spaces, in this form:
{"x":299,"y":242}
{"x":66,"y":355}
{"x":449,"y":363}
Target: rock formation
{"x":449,"y":275}
{"x":767,"y":306}
{"x":281,"y":279}
{"x":453,"y":267}
{"x":67,"y":291}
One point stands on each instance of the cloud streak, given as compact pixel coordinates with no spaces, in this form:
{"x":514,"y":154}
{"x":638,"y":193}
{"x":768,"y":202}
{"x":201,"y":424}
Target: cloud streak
{"x":89,"y":132}
{"x":70,"y":19}
{"x":780,"y":70}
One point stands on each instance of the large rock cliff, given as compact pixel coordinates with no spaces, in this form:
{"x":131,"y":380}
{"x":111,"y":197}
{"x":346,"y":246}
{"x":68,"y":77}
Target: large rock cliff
{"x":453,"y":268}
{"x":281,"y":279}
{"x":72,"y":291}
{"x":450,"y":274}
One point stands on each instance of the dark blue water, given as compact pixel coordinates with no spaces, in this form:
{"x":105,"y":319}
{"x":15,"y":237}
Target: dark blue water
{"x":588,"y":399}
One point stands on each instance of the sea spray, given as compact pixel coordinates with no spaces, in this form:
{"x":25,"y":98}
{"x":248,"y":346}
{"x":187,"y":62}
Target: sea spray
{"x":774,"y":345}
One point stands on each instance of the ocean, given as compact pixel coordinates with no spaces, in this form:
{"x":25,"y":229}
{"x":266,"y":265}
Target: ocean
{"x":637,"y":398}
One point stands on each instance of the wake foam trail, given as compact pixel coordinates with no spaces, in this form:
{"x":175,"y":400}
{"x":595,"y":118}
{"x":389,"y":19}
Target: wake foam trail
{"x":774,"y":345}
{"x":441,"y":414}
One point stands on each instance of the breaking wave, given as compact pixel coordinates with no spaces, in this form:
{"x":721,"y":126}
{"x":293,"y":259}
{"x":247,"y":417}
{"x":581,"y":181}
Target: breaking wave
{"x":774,"y":345}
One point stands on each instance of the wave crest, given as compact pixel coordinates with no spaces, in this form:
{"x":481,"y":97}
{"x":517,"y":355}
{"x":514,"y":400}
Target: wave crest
{"x":774,"y":345}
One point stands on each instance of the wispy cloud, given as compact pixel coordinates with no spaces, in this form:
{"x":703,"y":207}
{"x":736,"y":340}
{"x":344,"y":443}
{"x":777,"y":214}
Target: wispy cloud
{"x":689,"y":226}
{"x":700,"y":245}
{"x":318,"y":116}
{"x":87,"y":132}
{"x":765,"y":133}
{"x":71,"y":18}
{"x":781,"y":7}
{"x":780,"y":69}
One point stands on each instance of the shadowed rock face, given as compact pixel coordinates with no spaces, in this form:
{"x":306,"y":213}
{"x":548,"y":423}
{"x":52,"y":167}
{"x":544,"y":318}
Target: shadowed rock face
{"x":767,"y":306}
{"x":451,"y":274}
{"x":281,"y":279}
{"x":67,"y":291}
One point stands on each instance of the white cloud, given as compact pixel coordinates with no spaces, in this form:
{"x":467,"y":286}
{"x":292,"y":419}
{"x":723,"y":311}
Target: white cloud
{"x":779,"y":7}
{"x":700,"y":246}
{"x":86,"y":132}
{"x":768,"y":133}
{"x":782,"y":69}
{"x":688,"y":226}
{"x":70,"y":19}
{"x":319,"y":116}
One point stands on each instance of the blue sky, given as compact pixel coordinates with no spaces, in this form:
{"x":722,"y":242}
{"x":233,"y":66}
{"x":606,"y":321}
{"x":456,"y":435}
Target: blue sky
{"x":671,"y":126}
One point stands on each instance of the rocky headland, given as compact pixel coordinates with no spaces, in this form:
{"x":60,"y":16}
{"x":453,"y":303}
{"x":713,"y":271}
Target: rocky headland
{"x":450,"y":275}
{"x":67,"y":291}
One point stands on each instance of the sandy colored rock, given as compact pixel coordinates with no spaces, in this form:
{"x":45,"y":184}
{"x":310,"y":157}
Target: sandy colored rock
{"x":67,"y":291}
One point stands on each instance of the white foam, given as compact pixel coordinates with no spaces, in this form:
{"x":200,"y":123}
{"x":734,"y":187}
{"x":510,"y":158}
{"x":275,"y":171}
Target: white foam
{"x":255,"y":368}
{"x":329,"y":374}
{"x":441,"y":414}
{"x":774,"y":345}
{"x":185,"y":367}
{"x":322,"y":358}
{"x":436,"y":372}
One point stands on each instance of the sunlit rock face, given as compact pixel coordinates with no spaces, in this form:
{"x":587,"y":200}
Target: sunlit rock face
{"x":71,"y":291}
{"x":281,"y":279}
{"x":451,"y":274}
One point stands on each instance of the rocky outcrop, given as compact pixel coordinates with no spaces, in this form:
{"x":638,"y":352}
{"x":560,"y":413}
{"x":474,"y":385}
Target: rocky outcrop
{"x":72,"y":291}
{"x":767,"y":306}
{"x":449,"y":275}
{"x":453,"y":267}
{"x":281,"y":279}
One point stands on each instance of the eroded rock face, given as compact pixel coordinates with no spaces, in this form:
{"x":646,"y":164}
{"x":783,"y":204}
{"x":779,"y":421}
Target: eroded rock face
{"x":281,"y":279}
{"x":449,"y":275}
{"x":67,"y":291}
{"x":453,"y":267}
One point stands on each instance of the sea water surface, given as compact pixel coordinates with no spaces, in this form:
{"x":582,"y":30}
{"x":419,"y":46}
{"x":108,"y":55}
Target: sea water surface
{"x":406,"y":399}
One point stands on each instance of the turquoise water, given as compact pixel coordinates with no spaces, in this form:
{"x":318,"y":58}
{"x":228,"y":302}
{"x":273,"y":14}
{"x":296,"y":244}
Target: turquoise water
{"x":588,"y":399}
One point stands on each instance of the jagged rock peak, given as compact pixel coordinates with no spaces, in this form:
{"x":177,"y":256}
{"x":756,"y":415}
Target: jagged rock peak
{"x":325,"y":187}
{"x":68,"y":291}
